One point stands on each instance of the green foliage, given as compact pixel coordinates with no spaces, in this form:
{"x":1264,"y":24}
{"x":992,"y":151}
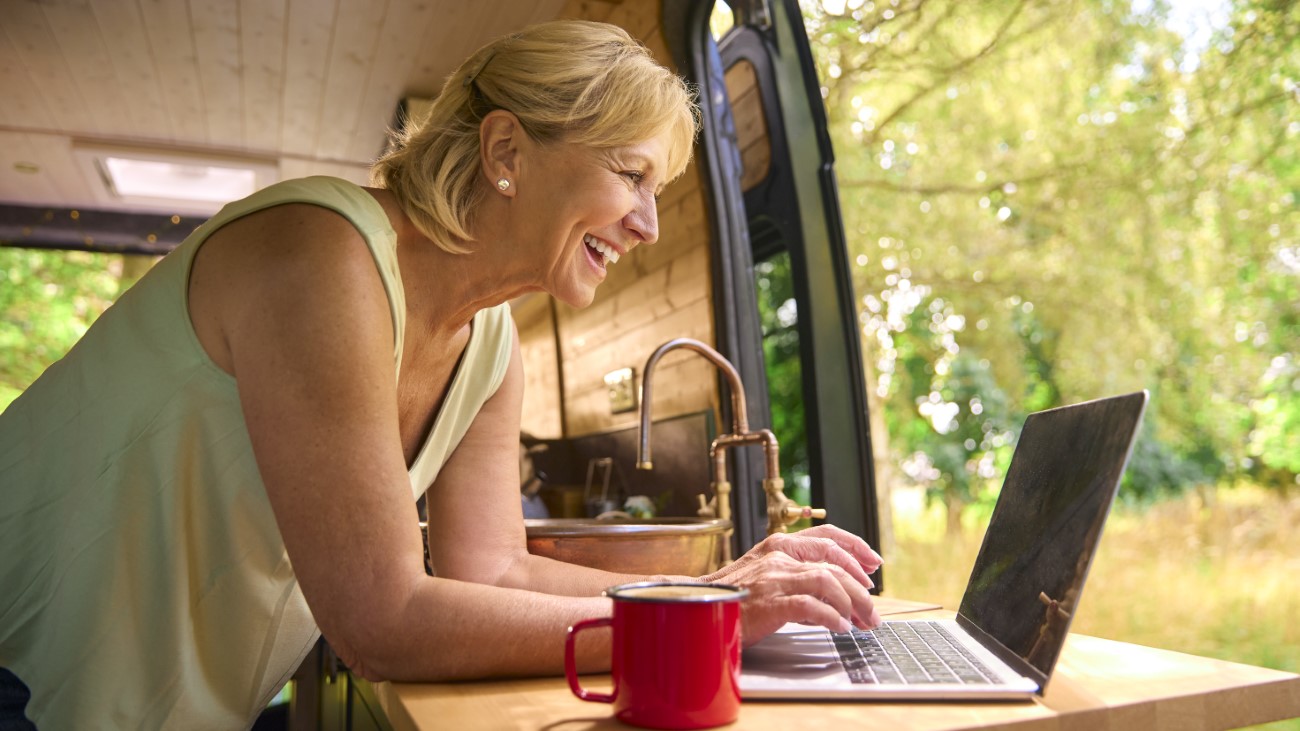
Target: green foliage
{"x":1275,"y":440}
{"x":47,"y":301}
{"x":1107,"y":195}
{"x":779,"y":318}
{"x":1155,"y":469}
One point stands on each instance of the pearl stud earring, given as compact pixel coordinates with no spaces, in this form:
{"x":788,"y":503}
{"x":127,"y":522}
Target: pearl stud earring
{"x":503,"y":184}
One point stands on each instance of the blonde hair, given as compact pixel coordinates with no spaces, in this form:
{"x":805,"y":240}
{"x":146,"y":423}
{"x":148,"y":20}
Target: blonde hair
{"x":578,"y":81}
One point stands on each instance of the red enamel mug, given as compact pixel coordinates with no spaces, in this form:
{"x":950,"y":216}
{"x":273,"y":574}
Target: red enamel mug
{"x":676,"y":654}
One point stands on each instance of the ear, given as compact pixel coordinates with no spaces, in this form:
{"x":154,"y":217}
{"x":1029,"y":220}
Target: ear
{"x":500,"y":137}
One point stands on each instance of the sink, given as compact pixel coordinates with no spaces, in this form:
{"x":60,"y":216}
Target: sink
{"x":684,"y":546}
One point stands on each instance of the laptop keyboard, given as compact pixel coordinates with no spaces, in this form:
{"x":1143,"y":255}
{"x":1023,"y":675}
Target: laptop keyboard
{"x":908,"y":653}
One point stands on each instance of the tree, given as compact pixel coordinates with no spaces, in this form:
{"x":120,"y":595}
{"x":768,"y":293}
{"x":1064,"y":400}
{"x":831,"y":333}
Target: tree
{"x":48,"y":300}
{"x":1107,"y":199}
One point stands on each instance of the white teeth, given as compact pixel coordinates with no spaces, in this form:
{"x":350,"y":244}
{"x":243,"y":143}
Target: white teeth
{"x":611,"y":256}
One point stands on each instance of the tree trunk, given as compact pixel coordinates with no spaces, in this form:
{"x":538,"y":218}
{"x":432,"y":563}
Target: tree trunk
{"x":880,"y":458}
{"x":954,"y":505}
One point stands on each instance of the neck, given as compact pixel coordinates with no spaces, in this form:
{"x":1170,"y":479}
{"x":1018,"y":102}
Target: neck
{"x":444,"y":290}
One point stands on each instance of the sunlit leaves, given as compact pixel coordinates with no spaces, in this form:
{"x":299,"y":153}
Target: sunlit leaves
{"x":1134,"y":182}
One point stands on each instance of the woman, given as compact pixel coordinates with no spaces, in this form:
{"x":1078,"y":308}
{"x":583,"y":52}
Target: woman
{"x":226,"y":462}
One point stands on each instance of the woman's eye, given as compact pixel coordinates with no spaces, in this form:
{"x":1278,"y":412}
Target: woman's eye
{"x":636,"y":176}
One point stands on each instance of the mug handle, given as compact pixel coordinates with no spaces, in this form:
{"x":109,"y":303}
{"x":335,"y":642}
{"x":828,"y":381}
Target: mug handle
{"x":571,"y":665}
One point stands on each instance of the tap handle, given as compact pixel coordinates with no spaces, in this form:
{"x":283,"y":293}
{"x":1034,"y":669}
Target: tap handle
{"x":799,"y":512}
{"x":706,"y":509}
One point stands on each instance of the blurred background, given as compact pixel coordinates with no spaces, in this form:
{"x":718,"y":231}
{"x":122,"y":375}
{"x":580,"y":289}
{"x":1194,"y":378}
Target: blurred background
{"x":1053,"y":201}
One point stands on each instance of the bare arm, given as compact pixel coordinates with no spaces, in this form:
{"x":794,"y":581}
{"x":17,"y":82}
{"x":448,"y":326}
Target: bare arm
{"x":288,"y":300}
{"x":292,"y":301}
{"x":476,"y":528}
{"x":476,"y":533}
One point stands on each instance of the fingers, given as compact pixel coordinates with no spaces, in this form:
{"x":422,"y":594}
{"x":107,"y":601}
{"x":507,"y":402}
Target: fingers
{"x":826,"y":593}
{"x":805,"y":546}
{"x":816,"y":576}
{"x":805,"y":609}
{"x":851,"y":544}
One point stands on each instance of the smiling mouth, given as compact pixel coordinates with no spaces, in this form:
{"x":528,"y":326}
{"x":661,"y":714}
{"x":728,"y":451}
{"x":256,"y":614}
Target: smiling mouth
{"x":603,"y":253}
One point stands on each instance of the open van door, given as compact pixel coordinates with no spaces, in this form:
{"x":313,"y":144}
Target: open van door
{"x":775,"y":209}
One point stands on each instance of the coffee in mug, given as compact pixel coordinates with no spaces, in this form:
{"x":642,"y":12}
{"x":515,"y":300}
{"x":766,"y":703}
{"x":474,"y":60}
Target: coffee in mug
{"x":676,"y":655}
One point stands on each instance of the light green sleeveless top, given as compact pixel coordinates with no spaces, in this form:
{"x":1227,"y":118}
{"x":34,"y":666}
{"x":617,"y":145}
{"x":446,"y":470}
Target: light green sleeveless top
{"x":145,"y":584}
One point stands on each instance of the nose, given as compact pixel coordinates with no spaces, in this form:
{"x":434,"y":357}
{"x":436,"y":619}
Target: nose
{"x":643,"y":221}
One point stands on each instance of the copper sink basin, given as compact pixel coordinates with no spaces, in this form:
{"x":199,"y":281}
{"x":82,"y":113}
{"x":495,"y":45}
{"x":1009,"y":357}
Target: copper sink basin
{"x":682,"y":546}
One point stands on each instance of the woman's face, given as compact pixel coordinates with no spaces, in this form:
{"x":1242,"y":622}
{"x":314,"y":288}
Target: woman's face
{"x":587,"y":208}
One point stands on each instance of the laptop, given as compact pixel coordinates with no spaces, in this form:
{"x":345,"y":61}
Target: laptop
{"x":1023,"y":591}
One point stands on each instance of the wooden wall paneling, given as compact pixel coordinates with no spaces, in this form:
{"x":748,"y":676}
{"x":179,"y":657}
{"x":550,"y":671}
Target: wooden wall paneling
{"x":658,"y":47}
{"x":28,"y":30}
{"x":23,"y":104}
{"x":689,"y":279}
{"x":681,"y":228}
{"x":492,"y":26}
{"x":687,"y":185}
{"x":663,"y":291}
{"x":663,"y":295}
{"x":586,"y":405}
{"x":683,"y":388}
{"x":356,"y":35}
{"x":395,"y":58}
{"x":137,"y":85}
{"x":579,"y":329}
{"x":216,"y":48}
{"x":310,"y":33}
{"x":262,"y":34}
{"x":639,"y":18}
{"x":639,"y":303}
{"x":547,"y":10}
{"x":747,"y":106}
{"x":536,"y":326}
{"x":630,"y":348}
{"x":597,"y":10}
{"x":755,"y":161}
{"x":751,"y":123}
{"x":449,"y":34}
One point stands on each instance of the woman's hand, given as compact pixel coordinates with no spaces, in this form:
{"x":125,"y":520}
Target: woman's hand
{"x":816,"y":576}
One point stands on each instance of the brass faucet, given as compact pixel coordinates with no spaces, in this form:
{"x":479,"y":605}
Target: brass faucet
{"x":781,"y":510}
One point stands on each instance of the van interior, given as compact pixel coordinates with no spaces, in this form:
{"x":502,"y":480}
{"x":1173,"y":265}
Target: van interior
{"x":254,"y":92}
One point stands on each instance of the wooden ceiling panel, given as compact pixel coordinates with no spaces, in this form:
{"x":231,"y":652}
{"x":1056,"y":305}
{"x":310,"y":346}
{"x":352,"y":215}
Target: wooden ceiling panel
{"x":216,"y":48}
{"x":176,"y":71}
{"x":39,"y":55}
{"x":90,"y":64}
{"x":405,"y":28}
{"x":137,"y":84}
{"x":22,"y":104}
{"x":356,"y":39}
{"x":262,"y":33}
{"x":309,"y":84}
{"x":307,"y":51}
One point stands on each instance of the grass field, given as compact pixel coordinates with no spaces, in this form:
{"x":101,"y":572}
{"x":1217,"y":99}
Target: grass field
{"x":1214,"y":576}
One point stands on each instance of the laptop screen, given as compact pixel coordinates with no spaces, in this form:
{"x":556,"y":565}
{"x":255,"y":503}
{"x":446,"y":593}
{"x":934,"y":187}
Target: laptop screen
{"x":1025,"y":586}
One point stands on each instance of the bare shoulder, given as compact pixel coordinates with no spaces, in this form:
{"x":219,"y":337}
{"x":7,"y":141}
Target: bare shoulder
{"x":289,"y":235}
{"x":296,"y":261}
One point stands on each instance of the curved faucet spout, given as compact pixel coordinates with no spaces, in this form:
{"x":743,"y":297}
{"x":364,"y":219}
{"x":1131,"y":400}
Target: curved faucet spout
{"x":781,"y":510}
{"x":739,"y":415}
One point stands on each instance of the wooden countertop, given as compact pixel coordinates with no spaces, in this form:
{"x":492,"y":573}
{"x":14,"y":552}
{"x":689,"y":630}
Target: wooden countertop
{"x":1098,"y":685}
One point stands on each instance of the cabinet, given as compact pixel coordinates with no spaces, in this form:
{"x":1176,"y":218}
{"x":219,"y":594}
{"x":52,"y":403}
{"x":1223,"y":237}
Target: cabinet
{"x":327,"y":697}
